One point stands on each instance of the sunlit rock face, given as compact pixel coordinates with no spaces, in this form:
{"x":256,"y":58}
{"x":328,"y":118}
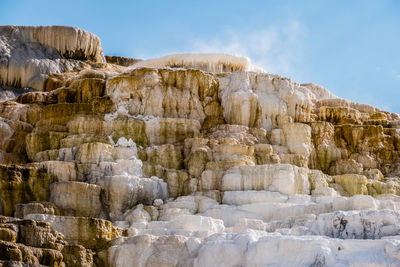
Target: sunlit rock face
{"x":28,"y":54}
{"x":186,"y":160}
{"x":205,"y":62}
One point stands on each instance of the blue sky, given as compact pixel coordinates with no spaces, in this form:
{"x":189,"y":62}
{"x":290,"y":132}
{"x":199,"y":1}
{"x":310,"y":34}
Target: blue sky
{"x":351,"y":47}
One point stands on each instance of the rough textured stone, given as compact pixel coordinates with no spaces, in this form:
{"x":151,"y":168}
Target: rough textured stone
{"x":43,"y":50}
{"x":25,"y":242}
{"x":90,"y":232}
{"x":21,"y":185}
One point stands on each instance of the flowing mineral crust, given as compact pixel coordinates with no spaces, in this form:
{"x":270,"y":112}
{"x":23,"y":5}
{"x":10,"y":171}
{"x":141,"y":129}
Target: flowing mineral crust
{"x":185,"y":160}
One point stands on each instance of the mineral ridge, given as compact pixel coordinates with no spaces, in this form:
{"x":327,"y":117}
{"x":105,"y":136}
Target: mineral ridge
{"x":185,"y":160}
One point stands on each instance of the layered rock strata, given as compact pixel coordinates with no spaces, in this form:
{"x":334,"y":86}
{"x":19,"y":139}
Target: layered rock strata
{"x":28,"y":54}
{"x":36,"y":244}
{"x":191,"y":160}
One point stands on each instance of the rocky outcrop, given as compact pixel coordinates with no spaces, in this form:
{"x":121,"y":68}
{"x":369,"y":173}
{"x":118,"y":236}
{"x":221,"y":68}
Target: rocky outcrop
{"x":192,"y":160}
{"x":123,"y":61}
{"x":28,"y":241}
{"x":22,"y":185}
{"x":29,"y":53}
{"x":205,"y":62}
{"x":91,"y":233}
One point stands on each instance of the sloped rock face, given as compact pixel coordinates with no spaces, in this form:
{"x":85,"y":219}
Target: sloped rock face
{"x":31,"y":243}
{"x":28,"y":54}
{"x":195,"y":160}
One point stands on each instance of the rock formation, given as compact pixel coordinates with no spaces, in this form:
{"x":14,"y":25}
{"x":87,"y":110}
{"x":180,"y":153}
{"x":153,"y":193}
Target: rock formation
{"x":185,"y":160}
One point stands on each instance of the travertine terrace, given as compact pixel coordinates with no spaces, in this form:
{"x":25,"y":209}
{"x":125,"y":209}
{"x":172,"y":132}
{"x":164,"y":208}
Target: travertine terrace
{"x":185,"y":160}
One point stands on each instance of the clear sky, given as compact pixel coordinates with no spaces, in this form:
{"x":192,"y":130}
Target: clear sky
{"x":351,"y":47}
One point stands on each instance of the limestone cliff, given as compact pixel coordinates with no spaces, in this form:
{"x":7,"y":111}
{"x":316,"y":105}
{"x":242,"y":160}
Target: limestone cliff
{"x":186,"y":160}
{"x":28,"y":54}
